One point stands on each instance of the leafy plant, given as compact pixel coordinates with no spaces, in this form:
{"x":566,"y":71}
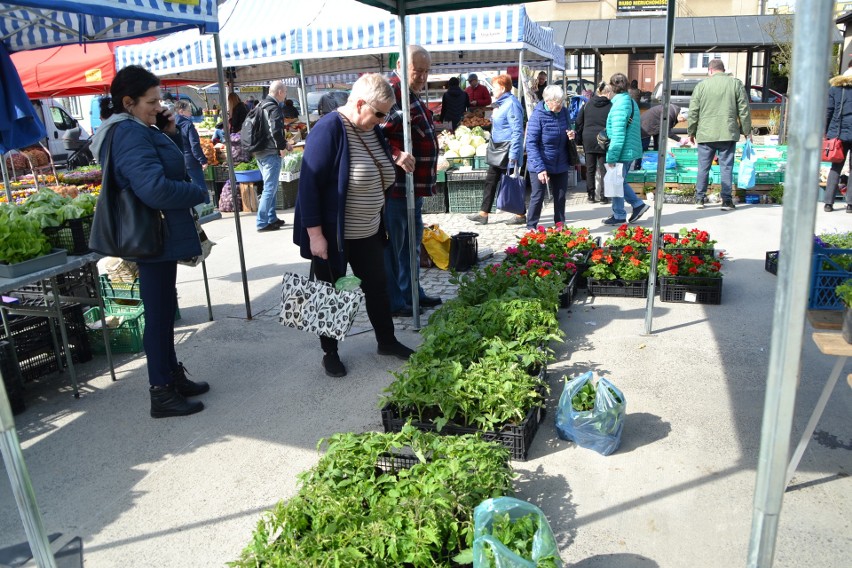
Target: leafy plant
{"x":627,"y":235}
{"x":836,"y":240}
{"x":844,"y":292}
{"x":777,"y":193}
{"x":508,"y":282}
{"x":688,"y":238}
{"x":563,"y":246}
{"x":20,"y":236}
{"x":584,"y":399}
{"x":688,"y":265}
{"x":349,"y":512}
{"x":626,"y":263}
{"x":517,"y":535}
{"x":246,"y":166}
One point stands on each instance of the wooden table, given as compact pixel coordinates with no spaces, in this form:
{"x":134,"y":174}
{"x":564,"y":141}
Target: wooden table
{"x":829,"y":342}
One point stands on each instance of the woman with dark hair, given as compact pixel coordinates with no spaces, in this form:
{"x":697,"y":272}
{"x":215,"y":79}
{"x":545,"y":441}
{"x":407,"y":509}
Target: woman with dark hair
{"x":625,"y":146}
{"x":507,"y":128}
{"x":237,"y":113}
{"x":590,"y":121}
{"x":149,"y":162}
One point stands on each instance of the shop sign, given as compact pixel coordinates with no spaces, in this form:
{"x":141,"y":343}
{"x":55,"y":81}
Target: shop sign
{"x":641,"y":5}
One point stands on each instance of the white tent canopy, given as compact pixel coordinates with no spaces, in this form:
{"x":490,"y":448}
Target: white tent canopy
{"x":343,"y":36}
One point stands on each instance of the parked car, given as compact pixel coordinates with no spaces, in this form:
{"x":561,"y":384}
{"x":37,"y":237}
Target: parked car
{"x":64,"y":134}
{"x":576,"y":86}
{"x":756,"y":95}
{"x":681,"y":92}
{"x":314,"y":97}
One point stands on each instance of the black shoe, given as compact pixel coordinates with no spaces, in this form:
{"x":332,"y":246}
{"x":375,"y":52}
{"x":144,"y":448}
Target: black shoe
{"x":613,"y":221}
{"x":604,"y":200}
{"x":166,"y":401}
{"x":332,"y":365}
{"x":637,"y":213}
{"x":828,"y":208}
{"x":395,"y":349}
{"x":430,"y":301}
{"x":477,"y":218}
{"x":405,"y":312}
{"x":269,"y":227}
{"x":516,"y":220}
{"x":279,"y":222}
{"x":728,"y":204}
{"x":184,"y":386}
{"x":700,"y":203}
{"x":591,"y":199}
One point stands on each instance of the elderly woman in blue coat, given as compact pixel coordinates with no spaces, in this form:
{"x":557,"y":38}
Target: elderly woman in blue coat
{"x":548,"y":135}
{"x":346,"y":169}
{"x":149,"y":162}
{"x":623,"y":127}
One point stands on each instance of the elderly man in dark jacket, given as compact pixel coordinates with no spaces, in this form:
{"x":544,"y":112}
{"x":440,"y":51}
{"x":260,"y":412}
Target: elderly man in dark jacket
{"x":590,"y":121}
{"x":269,"y":157}
{"x":454,"y":103}
{"x":651,"y":124}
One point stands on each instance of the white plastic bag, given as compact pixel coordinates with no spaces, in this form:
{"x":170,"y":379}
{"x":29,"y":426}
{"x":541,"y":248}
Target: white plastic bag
{"x":614,"y":182}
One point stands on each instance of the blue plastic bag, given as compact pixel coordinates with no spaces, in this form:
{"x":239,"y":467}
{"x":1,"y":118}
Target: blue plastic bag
{"x":598,"y":429}
{"x":746,"y":175}
{"x":543,"y":545}
{"x":650,"y":160}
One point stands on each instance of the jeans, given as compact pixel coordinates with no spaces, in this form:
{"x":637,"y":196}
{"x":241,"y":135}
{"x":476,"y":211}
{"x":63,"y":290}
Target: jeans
{"x":270,"y":168}
{"x":834,"y":177}
{"x":397,"y":252}
{"x":157,"y":290}
{"x":706,"y":152}
{"x":594,"y":175}
{"x":492,"y":181}
{"x":365,"y":258}
{"x":618,"y":210}
{"x":558,"y":186}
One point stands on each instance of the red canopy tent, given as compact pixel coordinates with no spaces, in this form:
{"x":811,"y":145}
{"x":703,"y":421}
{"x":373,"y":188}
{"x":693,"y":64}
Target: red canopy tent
{"x":71,"y":70}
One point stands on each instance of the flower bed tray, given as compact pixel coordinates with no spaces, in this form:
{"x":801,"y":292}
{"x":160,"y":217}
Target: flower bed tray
{"x":516,"y":437}
{"x":619,"y":288}
{"x":771,"y":264}
{"x":54,"y":258}
{"x":690,"y":290}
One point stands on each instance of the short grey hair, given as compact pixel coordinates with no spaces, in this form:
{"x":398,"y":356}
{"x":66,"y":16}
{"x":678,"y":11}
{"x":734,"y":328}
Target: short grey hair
{"x":373,"y":88}
{"x":277,"y":87}
{"x":553,"y":93}
{"x":183,"y":105}
{"x":416,"y":51}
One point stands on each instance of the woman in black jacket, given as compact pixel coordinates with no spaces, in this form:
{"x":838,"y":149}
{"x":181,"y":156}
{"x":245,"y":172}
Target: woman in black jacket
{"x":838,"y":124}
{"x":590,"y":121}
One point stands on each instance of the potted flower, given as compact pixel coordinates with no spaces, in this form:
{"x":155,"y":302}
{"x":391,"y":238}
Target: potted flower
{"x":621,"y":271}
{"x":247,"y":172}
{"x":844,"y":292}
{"x":688,"y":241}
{"x":689,"y":278}
{"x":633,"y":236}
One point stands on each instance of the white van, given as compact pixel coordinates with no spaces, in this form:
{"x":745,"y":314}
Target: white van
{"x":64,"y":133}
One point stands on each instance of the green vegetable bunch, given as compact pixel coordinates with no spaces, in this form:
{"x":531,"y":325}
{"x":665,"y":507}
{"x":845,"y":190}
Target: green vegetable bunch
{"x":246,"y":166}
{"x":584,"y":399}
{"x":517,"y":535}
{"x":20,"y":237}
{"x":49,"y":209}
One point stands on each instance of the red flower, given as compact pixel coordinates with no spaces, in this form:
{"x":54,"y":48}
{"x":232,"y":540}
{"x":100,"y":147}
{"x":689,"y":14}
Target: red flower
{"x":627,"y":249}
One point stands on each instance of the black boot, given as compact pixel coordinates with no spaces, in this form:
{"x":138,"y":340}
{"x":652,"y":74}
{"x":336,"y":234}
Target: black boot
{"x":166,"y":401}
{"x":184,"y":386}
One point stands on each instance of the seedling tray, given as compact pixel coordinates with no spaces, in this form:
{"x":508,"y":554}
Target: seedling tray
{"x":690,"y":290}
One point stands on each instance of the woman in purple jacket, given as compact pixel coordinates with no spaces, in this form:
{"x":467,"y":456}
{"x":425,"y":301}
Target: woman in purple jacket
{"x":346,"y":169}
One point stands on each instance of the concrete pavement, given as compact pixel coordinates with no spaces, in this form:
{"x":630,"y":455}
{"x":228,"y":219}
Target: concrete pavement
{"x":679,"y":492}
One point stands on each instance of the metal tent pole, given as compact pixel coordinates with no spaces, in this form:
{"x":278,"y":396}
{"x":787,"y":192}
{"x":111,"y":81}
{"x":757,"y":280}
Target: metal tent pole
{"x":220,"y":75}
{"x":22,"y":487}
{"x":7,"y":185}
{"x":409,"y":176}
{"x":303,"y":93}
{"x":661,"y":164}
{"x":807,"y":120}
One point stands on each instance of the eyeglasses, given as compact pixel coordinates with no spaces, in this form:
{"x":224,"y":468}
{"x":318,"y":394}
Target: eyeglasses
{"x":378,"y":114}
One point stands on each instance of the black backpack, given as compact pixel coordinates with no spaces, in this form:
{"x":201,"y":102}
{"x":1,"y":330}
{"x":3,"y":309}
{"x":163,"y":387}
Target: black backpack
{"x":254,"y":133}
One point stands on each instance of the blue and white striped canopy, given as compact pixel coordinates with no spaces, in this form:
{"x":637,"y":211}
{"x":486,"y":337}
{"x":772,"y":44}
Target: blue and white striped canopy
{"x":341,"y":36}
{"x":31,"y":24}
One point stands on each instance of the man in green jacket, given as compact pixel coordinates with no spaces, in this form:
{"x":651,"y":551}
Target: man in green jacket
{"x":718,"y":114}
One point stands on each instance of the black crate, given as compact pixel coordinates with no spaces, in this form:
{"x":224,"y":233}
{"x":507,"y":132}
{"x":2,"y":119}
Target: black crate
{"x":675,"y":288}
{"x":619,"y":288}
{"x":12,"y":380}
{"x":771,"y":264}
{"x":516,"y":437}
{"x":567,"y":295}
{"x":285,"y":197}
{"x":392,"y":462}
{"x":78,"y":283}
{"x":72,"y":235}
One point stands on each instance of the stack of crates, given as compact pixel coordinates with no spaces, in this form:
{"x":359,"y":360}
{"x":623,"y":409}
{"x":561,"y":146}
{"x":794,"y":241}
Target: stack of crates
{"x":121,"y":301}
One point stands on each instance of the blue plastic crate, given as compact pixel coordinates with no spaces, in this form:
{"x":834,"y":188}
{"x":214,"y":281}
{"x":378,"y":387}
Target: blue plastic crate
{"x":826,"y":275}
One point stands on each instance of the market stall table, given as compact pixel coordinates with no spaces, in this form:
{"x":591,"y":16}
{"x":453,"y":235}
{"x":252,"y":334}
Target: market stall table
{"x":52,"y":307}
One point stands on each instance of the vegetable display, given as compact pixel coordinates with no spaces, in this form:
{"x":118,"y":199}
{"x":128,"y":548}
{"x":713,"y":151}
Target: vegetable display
{"x":49,"y":209}
{"x":20,"y":237}
{"x":246,"y":166}
{"x":465,"y":143}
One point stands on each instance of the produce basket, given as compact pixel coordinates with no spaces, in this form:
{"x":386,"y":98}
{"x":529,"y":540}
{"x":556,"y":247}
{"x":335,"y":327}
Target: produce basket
{"x":464,"y":190}
{"x":72,"y":235}
{"x":127,"y":337}
{"x":827,"y":273}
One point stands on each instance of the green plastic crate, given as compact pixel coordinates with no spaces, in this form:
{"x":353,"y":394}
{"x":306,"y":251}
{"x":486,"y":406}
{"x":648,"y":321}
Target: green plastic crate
{"x":635,"y":176}
{"x":127,"y":337}
{"x":479,"y":163}
{"x":687,"y":178}
{"x":768,"y":177}
{"x":671,"y":177}
{"x":464,"y":190}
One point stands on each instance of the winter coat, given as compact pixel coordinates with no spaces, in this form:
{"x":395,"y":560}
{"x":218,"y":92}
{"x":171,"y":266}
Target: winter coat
{"x":507,"y":125}
{"x":275,"y":139}
{"x":625,"y":140}
{"x":453,"y":105}
{"x":150,"y":163}
{"x":651,"y":121}
{"x":480,"y":95}
{"x":590,"y":121}
{"x":193,"y":155}
{"x":323,"y":184}
{"x":718,"y":110}
{"x":547,"y":140}
{"x":838,"y":118}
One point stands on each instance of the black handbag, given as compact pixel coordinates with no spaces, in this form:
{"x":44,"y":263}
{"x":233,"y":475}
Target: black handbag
{"x":124,"y":226}
{"x":497,"y":154}
{"x":464,"y":251}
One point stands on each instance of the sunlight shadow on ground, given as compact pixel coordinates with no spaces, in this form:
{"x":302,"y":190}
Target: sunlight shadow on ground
{"x":622,"y":560}
{"x":536,"y":487}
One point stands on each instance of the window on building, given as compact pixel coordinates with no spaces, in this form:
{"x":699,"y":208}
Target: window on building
{"x":588,"y":62}
{"x":699,"y":61}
